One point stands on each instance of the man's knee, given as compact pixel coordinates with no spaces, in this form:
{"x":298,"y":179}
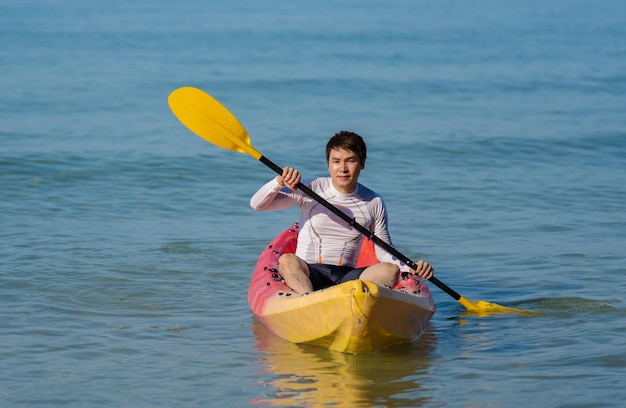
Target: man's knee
{"x":288,"y":260}
{"x":291,"y":264}
{"x":388,"y":269}
{"x":295,"y":272}
{"x":392,"y":270}
{"x":384,"y":273}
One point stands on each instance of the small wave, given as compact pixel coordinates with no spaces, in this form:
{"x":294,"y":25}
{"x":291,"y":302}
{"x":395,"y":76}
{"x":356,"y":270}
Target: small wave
{"x":572,"y":305}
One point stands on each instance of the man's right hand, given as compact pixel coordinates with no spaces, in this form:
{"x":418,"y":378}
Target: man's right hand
{"x":290,"y":178}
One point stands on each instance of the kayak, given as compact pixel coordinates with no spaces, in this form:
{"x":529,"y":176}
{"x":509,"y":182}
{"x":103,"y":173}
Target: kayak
{"x":353,"y":317}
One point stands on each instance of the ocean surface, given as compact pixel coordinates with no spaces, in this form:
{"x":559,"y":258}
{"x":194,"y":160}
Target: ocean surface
{"x":497,"y":135}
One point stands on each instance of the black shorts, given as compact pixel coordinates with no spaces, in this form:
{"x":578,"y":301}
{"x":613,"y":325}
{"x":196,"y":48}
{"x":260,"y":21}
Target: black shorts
{"x":323,"y":275}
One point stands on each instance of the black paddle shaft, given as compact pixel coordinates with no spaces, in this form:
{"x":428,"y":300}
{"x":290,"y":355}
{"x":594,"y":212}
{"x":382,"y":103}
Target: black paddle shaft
{"x":352,"y":222}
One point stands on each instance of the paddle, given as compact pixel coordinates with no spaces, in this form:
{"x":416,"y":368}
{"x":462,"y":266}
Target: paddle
{"x":210,"y":120}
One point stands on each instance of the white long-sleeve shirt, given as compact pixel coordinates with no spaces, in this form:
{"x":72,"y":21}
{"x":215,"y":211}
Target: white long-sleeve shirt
{"x":324,"y":237}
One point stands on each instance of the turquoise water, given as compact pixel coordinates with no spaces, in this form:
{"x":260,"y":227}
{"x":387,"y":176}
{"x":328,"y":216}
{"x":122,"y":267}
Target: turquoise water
{"x":496,"y":133}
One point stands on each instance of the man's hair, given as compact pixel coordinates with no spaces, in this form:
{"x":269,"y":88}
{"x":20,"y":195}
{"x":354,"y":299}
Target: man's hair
{"x":347,"y":141}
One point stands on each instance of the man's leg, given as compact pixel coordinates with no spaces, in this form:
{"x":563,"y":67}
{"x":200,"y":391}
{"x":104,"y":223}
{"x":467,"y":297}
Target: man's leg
{"x":295,"y":272}
{"x":383,"y":274}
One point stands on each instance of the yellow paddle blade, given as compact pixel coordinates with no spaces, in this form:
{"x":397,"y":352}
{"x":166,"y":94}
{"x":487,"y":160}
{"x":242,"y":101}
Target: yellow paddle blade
{"x":209,"y":119}
{"x":482,"y":307}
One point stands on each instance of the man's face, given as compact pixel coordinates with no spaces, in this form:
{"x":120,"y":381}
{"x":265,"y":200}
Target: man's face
{"x":344,"y":168}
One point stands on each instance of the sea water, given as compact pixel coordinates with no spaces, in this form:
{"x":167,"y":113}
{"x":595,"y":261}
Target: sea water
{"x":496,"y":134}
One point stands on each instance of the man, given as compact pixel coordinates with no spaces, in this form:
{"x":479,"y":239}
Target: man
{"x":328,"y":248}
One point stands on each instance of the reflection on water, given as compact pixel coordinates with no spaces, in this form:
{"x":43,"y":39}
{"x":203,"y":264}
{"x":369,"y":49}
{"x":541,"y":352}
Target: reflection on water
{"x":296,"y":375}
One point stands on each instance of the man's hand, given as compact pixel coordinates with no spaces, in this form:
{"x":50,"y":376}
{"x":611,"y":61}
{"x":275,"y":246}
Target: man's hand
{"x":423,"y":270}
{"x":290,"y":178}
